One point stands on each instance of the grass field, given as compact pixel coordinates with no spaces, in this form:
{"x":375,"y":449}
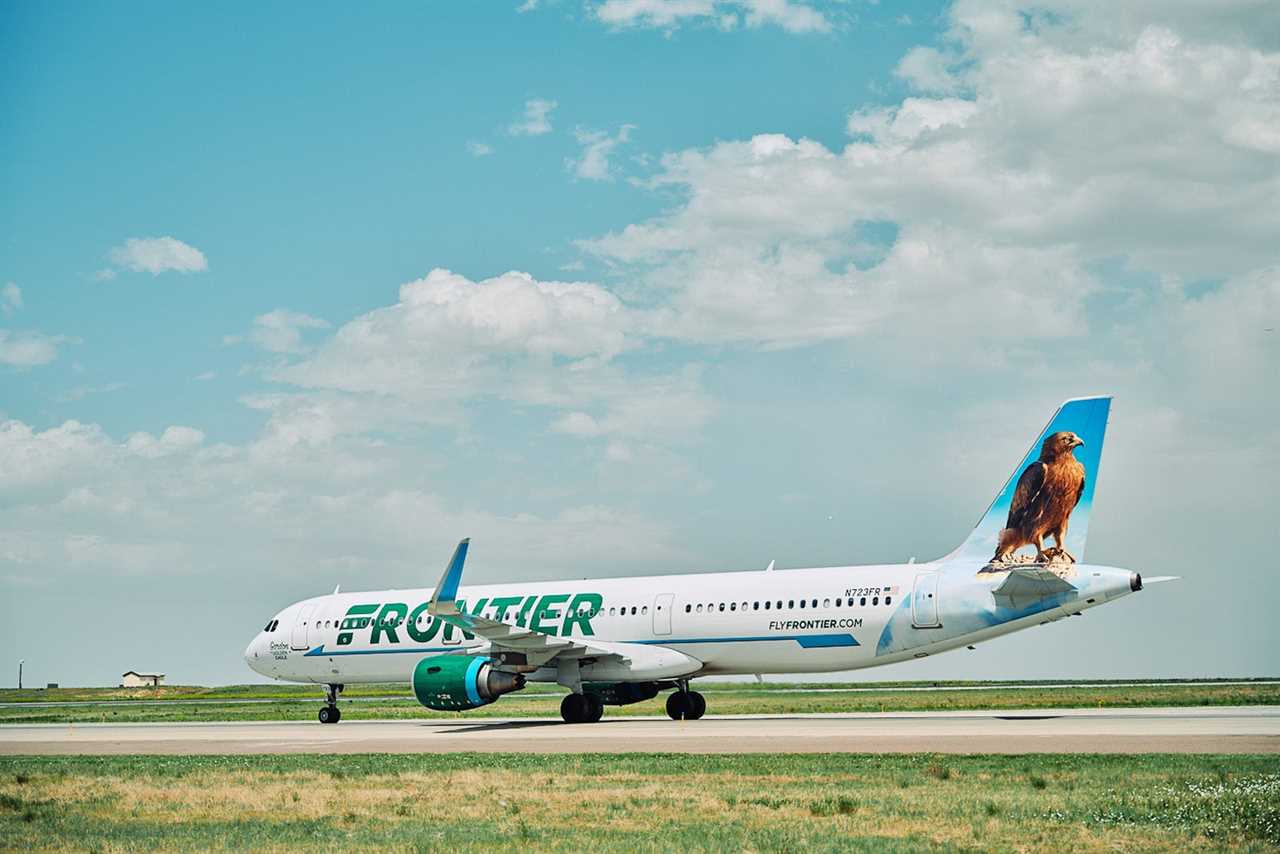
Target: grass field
{"x":298,"y":702}
{"x":642,"y":802}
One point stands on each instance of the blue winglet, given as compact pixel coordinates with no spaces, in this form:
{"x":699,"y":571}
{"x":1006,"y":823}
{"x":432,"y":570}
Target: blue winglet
{"x":447,"y":589}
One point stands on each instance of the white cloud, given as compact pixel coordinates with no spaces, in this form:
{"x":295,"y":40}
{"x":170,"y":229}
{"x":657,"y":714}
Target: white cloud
{"x":1139,"y":143}
{"x":536,"y":119}
{"x":479,"y":149}
{"x":206,"y":376}
{"x":83,"y":391}
{"x":173,"y":440}
{"x":280,"y":331}
{"x":669,"y":409}
{"x":597,"y":147}
{"x":653,"y":13}
{"x":10,"y":298}
{"x":527,"y":6}
{"x":29,"y":459}
{"x":27,"y":348}
{"x":82,"y":506}
{"x":156,"y":255}
{"x":450,"y":335}
{"x":789,"y":15}
{"x":926,"y":69}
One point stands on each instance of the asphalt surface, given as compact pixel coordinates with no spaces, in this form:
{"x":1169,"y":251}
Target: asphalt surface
{"x":744,"y":689}
{"x":1248,"y":729}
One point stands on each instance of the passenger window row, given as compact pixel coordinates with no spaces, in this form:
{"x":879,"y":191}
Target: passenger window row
{"x":778,"y":606}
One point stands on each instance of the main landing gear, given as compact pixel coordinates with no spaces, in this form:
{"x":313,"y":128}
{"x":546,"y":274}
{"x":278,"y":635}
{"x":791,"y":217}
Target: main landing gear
{"x":581,"y":709}
{"x":685,"y":705}
{"x":330,"y":713}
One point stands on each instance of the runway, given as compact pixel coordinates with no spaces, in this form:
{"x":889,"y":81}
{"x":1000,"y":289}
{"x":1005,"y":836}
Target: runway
{"x":1247,"y":729}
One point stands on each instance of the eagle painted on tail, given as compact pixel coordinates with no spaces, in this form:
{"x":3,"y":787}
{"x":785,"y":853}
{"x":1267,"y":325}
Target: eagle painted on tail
{"x":1048,"y":490}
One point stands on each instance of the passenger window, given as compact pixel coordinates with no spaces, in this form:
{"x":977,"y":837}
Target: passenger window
{"x":633,"y":610}
{"x":613,"y":612}
{"x":744,"y":606}
{"x":862,"y":601}
{"x":699,"y":609}
{"x":888,"y":600}
{"x":815,"y":603}
{"x":779,"y":604}
{"x":826,"y":603}
{"x":755,"y":606}
{"x":766,"y":604}
{"x":644,"y":610}
{"x":688,"y":609}
{"x":791,"y":603}
{"x":801,"y":603}
{"x":875,"y":600}
{"x":733,"y":606}
{"x":721,"y":606}
{"x":838,"y":601}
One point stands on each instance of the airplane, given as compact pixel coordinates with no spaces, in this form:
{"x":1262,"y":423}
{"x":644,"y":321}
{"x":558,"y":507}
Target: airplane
{"x":616,"y":641}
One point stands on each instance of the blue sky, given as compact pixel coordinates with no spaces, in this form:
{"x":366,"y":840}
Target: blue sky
{"x":297,"y":297}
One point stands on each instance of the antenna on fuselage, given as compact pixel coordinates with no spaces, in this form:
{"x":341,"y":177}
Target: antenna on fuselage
{"x":336,"y":588}
{"x":769,"y":568}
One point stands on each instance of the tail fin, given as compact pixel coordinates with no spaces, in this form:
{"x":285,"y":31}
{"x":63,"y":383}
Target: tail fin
{"x":1033,"y":492}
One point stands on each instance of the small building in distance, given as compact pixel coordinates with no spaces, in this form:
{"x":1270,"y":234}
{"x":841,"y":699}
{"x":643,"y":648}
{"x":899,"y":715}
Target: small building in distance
{"x":134,"y":679}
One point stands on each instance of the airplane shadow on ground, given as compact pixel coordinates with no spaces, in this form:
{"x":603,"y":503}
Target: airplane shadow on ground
{"x":456,"y":727}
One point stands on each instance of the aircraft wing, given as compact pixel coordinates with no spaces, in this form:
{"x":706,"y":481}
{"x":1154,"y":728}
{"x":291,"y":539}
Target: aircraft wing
{"x":1025,"y":585}
{"x":508,"y":642}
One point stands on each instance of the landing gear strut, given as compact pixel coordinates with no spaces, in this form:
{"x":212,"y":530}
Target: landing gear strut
{"x":581,"y":709}
{"x":685,"y":705}
{"x":330,"y":713}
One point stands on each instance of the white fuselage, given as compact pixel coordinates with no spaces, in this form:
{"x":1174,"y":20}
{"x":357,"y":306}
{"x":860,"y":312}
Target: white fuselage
{"x":788,"y":621}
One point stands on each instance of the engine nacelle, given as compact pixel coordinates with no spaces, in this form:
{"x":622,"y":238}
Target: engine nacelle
{"x":449,"y":683}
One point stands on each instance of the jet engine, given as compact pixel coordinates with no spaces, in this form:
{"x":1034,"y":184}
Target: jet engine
{"x":449,"y":683}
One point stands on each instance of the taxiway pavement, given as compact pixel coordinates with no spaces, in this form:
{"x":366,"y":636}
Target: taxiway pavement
{"x":1245,"y":729}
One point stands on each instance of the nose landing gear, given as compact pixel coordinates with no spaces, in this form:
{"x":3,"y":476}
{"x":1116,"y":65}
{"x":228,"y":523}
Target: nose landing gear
{"x":330,"y":713}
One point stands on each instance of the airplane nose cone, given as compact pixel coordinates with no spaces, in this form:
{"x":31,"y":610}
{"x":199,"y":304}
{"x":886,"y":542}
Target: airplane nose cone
{"x":251,"y":654}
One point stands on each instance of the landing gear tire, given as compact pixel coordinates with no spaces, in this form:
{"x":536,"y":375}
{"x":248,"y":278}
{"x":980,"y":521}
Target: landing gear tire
{"x":686,"y":705}
{"x":330,"y":713}
{"x":595,"y":708}
{"x":574,"y":708}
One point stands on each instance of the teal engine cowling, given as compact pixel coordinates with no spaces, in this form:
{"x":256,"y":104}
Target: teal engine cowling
{"x":450,"y":683}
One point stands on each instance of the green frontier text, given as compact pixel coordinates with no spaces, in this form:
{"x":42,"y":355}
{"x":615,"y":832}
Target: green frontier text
{"x":545,"y":613}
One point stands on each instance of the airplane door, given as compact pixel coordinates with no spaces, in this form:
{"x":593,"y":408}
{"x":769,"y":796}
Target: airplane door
{"x":662,"y":606}
{"x":924,"y":601}
{"x":298,"y":639}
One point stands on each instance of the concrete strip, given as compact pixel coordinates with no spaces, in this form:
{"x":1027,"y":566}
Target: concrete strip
{"x":1254,"y":729}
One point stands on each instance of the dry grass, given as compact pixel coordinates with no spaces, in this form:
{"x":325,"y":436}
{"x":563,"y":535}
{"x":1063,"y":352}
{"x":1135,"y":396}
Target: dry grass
{"x":639,"y":802}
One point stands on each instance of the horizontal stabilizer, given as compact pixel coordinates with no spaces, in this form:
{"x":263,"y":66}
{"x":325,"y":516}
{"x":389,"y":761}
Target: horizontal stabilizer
{"x":1026,"y":585}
